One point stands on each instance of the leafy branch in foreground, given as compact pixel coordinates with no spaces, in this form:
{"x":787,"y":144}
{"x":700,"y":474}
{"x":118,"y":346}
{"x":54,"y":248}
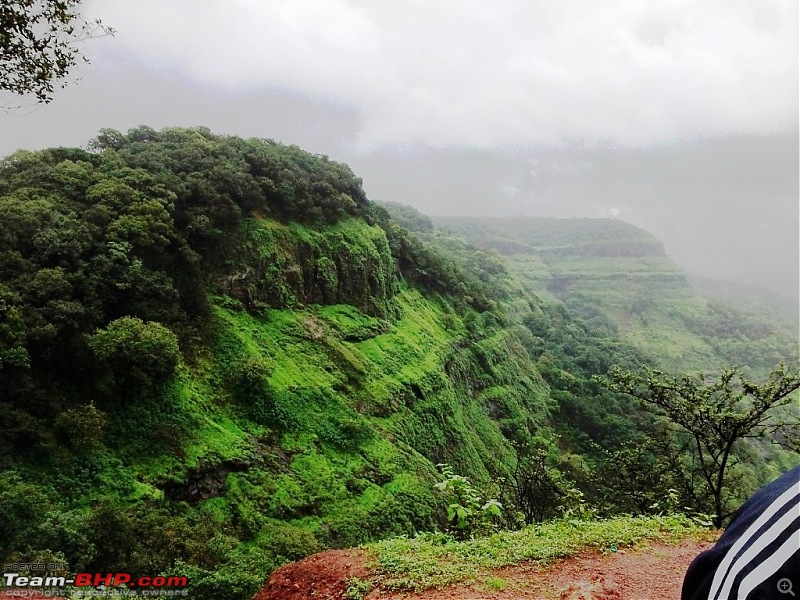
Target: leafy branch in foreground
{"x":39,"y":44}
{"x":715,"y":415}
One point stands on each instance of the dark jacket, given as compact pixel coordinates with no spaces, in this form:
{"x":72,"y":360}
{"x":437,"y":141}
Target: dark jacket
{"x":758,"y":556}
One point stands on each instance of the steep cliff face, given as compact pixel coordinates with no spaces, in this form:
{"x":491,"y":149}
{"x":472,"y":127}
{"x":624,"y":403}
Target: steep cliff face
{"x":287,"y":265}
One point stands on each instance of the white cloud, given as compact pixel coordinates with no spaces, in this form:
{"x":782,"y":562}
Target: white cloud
{"x":488,"y":75}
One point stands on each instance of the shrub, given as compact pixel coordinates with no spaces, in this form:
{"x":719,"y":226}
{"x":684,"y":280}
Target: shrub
{"x":82,"y":427}
{"x":467,"y":513}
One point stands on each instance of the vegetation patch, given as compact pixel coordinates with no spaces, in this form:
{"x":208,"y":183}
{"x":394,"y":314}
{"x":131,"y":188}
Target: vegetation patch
{"x":439,"y":560}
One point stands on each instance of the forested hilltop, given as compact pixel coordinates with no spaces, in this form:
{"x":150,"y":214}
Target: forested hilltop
{"x":217,"y":356}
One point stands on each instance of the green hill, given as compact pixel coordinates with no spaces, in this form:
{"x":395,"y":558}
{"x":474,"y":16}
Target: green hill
{"x":217,"y":356}
{"x":221,"y":343}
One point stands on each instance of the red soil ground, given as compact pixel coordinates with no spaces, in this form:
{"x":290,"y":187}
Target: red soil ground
{"x":318,"y":577}
{"x":653,"y":572}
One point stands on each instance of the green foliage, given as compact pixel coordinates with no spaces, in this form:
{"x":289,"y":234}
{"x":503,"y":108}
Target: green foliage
{"x":408,"y":217}
{"x":216,"y":356}
{"x":82,"y":427}
{"x":537,"y":489}
{"x":287,"y":265}
{"x":40,"y":45}
{"x":262,"y":403}
{"x":590,"y":419}
{"x":357,"y":589}
{"x":287,"y":542}
{"x":241,"y":572}
{"x":442,"y":264}
{"x":633,"y":478}
{"x":23,"y":504}
{"x":137,"y":354}
{"x":495,"y":583}
{"x":139,"y":227}
{"x":13,"y":352}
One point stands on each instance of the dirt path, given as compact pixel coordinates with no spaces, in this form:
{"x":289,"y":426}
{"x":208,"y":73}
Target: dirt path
{"x":649,"y":572}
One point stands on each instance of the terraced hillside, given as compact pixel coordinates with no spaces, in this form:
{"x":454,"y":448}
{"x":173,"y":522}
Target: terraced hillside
{"x":618,"y":276}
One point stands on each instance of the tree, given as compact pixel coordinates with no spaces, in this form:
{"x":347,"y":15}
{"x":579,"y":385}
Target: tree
{"x":39,"y":44}
{"x":715,"y":415}
{"x":538,"y":489}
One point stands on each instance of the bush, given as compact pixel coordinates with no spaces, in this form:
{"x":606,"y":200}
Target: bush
{"x":259,"y":400}
{"x":287,"y":542}
{"x":82,"y":427}
{"x":136,"y":354}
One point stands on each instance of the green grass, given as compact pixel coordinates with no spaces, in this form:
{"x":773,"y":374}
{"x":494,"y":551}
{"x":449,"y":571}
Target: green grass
{"x":495,"y":583}
{"x":437,"y":560}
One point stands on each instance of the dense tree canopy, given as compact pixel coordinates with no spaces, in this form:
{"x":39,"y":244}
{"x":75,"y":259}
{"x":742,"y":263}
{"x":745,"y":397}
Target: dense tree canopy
{"x":134,"y":228}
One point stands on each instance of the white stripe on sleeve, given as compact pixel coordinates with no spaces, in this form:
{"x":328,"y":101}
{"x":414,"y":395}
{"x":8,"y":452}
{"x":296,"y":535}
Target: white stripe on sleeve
{"x":768,"y":567}
{"x":724,"y":566}
{"x":759,"y":544}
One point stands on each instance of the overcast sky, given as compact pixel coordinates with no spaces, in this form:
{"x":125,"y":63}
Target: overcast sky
{"x":678,"y":115}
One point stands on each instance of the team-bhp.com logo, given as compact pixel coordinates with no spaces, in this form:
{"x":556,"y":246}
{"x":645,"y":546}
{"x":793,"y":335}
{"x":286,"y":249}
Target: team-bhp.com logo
{"x":108,"y":584}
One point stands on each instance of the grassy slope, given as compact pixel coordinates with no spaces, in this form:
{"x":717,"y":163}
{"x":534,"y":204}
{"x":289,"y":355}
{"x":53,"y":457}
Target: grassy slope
{"x":364,"y":395}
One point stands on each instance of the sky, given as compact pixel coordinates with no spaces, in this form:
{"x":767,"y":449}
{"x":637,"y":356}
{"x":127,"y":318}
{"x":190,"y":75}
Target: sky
{"x":680,"y":116}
